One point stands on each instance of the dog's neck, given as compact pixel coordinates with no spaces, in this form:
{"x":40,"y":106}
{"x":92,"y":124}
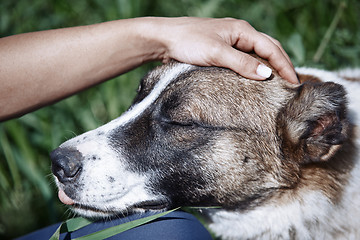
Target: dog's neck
{"x":316,"y":208}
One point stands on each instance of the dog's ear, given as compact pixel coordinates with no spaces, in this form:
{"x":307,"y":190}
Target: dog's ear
{"x":313,"y":124}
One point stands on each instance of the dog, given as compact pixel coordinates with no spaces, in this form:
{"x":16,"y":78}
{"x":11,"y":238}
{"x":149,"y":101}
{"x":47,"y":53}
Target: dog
{"x":280,"y":160}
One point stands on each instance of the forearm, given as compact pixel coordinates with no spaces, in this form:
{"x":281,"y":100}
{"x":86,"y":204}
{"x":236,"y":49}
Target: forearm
{"x":41,"y":67}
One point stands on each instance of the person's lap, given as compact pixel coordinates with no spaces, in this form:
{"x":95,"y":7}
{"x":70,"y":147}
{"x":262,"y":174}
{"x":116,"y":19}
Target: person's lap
{"x":175,"y":225}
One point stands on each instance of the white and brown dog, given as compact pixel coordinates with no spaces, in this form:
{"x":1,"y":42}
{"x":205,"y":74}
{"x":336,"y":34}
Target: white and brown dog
{"x":281,"y":160}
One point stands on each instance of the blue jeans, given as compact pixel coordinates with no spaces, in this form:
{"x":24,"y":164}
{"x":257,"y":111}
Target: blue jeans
{"x":176,"y":225}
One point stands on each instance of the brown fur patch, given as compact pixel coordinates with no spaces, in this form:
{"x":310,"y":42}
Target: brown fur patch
{"x":352,"y":79}
{"x":330,"y":176}
{"x":308,"y":78}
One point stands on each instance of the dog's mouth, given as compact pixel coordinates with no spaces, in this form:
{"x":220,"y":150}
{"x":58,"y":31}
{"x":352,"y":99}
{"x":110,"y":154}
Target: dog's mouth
{"x":64,"y":198}
{"x":91,"y":210}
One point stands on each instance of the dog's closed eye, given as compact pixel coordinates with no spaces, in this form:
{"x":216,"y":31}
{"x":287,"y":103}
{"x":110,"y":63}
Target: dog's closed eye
{"x":188,"y":123}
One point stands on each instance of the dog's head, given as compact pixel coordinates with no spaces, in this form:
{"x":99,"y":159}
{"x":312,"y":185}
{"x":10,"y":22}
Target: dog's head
{"x":201,"y":137}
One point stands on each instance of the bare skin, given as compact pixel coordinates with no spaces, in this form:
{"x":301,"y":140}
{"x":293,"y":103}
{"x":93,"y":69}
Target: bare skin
{"x":39,"y":68}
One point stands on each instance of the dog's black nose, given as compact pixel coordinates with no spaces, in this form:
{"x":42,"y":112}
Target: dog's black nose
{"x":66,"y":163}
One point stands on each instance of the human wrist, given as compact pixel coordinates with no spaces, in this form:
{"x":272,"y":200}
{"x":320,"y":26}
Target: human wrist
{"x":151,"y":39}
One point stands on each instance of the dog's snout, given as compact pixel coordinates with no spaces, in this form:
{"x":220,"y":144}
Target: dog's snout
{"x":66,"y":163}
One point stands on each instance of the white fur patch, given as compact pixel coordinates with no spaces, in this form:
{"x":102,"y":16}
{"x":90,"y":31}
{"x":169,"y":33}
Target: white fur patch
{"x":309,"y":217}
{"x":166,"y":78}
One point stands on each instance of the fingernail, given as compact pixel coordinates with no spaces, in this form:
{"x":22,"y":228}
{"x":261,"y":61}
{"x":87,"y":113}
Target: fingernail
{"x":263,"y":71}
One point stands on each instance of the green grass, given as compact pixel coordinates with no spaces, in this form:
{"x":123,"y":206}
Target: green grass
{"x":315,"y":33}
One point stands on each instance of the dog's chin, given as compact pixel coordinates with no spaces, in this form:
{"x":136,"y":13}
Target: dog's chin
{"x":92,"y":211}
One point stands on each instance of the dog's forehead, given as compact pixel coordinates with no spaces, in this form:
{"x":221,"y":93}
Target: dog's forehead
{"x":221,"y":97}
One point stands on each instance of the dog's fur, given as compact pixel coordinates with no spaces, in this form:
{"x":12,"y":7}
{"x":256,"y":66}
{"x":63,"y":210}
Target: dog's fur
{"x":281,"y":160}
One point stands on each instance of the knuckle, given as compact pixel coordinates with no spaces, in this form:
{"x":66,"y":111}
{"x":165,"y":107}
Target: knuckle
{"x":216,"y":53}
{"x":245,"y":25}
{"x":243,"y":22}
{"x":237,"y":24}
{"x":229,"y":19}
{"x":276,"y":42}
{"x":246,"y":63}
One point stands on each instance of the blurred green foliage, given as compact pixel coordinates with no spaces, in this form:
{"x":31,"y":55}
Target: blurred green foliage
{"x":28,"y":198}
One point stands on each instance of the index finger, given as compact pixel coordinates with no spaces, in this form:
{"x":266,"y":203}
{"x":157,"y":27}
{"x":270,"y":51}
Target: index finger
{"x":252,"y":40}
{"x":275,"y":54}
{"x":277,"y":43}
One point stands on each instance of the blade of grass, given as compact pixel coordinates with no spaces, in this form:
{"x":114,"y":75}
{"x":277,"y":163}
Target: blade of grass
{"x":74,"y":224}
{"x":325,"y":41}
{"x":27,"y":160}
{"x":70,"y":225}
{"x":56,"y":234}
{"x":106,"y":233}
{"x":9,"y":157}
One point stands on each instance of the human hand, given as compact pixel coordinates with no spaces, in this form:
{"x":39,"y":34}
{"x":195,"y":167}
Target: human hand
{"x":224,"y":43}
